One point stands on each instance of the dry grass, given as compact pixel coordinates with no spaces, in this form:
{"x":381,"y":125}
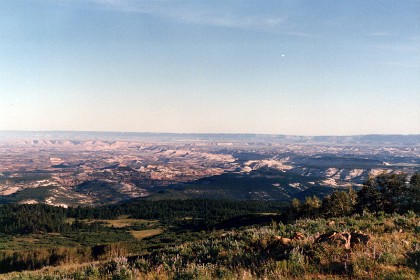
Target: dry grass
{"x":121,"y":222}
{"x":70,"y":220}
{"x":124,"y":222}
{"x":388,"y":254}
{"x":62,"y":270}
{"x":140,"y":234}
{"x":25,"y":239}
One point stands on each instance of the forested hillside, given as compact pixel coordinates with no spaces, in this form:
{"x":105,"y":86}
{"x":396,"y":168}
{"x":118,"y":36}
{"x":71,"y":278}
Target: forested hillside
{"x":348,"y":234}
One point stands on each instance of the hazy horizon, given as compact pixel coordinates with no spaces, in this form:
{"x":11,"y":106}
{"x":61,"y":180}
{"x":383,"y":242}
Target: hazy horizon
{"x":206,"y":133}
{"x":310,"y":68}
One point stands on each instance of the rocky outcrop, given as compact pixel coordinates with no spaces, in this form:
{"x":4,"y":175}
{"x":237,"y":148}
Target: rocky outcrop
{"x":334,"y":237}
{"x":348,"y":240}
{"x":283,"y":240}
{"x":359,"y":238}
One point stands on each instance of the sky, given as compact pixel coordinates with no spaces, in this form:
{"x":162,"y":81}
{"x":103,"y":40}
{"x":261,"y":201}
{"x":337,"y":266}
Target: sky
{"x":221,"y":66}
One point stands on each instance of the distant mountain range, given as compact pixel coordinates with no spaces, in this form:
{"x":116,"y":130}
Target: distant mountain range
{"x":83,"y":168}
{"x":393,"y":139}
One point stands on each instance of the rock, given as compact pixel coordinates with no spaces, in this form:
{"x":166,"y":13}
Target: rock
{"x":359,"y":238}
{"x":325,"y":237}
{"x":349,"y":240}
{"x":298,"y":236}
{"x":335,"y":238}
{"x":283,"y":240}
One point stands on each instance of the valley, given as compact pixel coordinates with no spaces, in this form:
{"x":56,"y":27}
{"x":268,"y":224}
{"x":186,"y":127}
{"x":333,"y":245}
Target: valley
{"x":68,"y":169}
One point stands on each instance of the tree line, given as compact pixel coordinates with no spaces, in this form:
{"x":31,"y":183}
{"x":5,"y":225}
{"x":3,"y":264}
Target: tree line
{"x":386,"y":192}
{"x":389,"y":193}
{"x":201,"y":214}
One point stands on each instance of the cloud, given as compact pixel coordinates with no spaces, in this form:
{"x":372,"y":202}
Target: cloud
{"x":122,"y":5}
{"x":230,"y":14}
{"x":401,"y":64}
{"x":225,"y":19}
{"x":201,"y":14}
{"x":380,"y":34}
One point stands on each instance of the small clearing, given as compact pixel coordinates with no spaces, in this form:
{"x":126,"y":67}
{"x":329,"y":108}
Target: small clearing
{"x":140,"y":234}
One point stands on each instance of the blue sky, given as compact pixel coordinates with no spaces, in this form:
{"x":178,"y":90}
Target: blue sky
{"x":282,"y":67}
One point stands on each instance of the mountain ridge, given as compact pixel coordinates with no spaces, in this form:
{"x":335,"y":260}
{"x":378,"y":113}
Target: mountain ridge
{"x":406,"y":139}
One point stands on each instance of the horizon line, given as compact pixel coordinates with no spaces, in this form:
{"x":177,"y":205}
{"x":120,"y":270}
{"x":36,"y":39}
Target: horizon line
{"x":208,"y":133}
